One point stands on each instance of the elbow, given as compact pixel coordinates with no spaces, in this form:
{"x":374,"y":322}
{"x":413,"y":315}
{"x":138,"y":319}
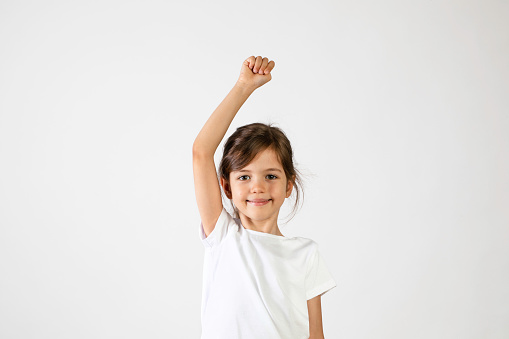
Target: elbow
{"x":194,"y":150}
{"x":197,"y":150}
{"x":201,"y":152}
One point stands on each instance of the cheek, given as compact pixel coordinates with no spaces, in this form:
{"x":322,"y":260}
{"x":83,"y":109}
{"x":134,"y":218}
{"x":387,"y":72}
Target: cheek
{"x":237,"y":192}
{"x":277,"y":191}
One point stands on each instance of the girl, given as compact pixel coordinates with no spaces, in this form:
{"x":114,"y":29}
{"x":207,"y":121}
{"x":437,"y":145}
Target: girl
{"x":257,"y":283}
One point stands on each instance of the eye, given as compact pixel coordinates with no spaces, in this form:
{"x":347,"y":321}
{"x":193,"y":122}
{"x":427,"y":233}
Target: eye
{"x":243,"y":176}
{"x":272,"y":176}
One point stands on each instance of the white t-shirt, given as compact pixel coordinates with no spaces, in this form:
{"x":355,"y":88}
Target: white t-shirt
{"x":256,"y":285}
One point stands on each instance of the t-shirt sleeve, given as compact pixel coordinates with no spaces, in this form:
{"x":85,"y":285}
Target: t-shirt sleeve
{"x":223,"y":225}
{"x":318,"y":278}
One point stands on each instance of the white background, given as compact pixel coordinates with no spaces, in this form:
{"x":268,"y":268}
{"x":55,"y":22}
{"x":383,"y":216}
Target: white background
{"x":397,"y":112}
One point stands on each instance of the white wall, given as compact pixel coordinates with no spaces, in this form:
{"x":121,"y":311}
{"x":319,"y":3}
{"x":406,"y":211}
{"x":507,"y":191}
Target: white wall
{"x":397,"y":110}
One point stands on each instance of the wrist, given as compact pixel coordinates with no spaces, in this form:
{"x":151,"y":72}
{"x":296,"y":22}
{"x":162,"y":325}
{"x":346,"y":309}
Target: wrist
{"x":244,"y":88}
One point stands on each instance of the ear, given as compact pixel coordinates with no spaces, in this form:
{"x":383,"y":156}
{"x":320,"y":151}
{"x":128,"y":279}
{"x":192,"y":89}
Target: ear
{"x":289,"y":188}
{"x":226,"y":188}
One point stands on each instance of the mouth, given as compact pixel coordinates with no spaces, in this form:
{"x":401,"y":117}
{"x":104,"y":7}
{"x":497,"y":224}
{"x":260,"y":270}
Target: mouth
{"x":258,"y":202}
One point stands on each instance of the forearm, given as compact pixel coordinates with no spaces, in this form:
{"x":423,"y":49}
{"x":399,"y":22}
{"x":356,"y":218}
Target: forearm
{"x":216,"y":126}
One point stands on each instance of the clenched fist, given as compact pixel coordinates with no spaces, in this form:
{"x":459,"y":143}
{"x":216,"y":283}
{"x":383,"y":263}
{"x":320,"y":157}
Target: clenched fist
{"x":255,"y":72}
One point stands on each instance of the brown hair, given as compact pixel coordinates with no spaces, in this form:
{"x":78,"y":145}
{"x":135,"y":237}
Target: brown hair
{"x":247,"y":141}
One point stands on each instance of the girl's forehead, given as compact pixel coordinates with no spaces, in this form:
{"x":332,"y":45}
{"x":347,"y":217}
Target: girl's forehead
{"x":266,"y":160}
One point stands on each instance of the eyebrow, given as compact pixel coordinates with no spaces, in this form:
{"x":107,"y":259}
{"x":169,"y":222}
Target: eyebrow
{"x":268,"y":169}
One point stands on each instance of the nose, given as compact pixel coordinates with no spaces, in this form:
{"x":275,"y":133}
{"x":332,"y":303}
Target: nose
{"x":258,"y":185}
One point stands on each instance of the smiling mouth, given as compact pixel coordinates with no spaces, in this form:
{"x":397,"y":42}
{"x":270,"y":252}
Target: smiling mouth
{"x":258,"y":202}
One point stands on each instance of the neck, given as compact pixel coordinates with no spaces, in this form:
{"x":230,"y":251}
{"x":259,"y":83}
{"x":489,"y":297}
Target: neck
{"x":266,"y":226}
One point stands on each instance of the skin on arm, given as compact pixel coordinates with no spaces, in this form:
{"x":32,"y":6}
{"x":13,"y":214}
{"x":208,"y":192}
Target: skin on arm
{"x":315,"y":318}
{"x":254,"y":73}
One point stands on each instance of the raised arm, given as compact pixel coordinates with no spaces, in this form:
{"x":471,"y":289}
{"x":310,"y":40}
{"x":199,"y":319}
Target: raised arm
{"x":206,"y":185}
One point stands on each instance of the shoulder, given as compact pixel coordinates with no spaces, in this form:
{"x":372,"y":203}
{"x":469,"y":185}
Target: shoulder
{"x":225,"y":225}
{"x":307,"y":247}
{"x":310,"y":250}
{"x":307,"y":243}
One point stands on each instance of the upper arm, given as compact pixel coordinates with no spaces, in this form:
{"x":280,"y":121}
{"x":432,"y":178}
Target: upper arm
{"x":207,"y":190}
{"x":315,"y":318}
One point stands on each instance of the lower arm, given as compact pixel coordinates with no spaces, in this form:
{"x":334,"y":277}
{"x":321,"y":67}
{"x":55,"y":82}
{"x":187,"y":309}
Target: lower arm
{"x":216,"y":126}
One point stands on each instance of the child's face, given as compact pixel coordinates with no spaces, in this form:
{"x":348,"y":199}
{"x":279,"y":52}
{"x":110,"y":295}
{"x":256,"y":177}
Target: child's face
{"x":264,"y":178}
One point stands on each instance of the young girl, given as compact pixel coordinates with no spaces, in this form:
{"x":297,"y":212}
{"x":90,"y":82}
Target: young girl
{"x":257,"y":283}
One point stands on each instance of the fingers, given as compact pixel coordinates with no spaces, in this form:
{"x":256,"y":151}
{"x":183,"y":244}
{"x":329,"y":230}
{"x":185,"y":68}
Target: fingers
{"x":270,"y":66}
{"x":259,"y":65}
{"x":250,"y":62}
